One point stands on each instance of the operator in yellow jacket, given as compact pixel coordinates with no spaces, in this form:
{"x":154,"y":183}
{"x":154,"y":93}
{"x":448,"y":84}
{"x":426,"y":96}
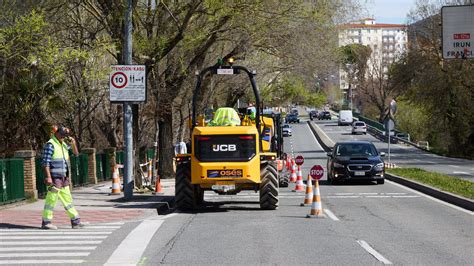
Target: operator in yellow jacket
{"x":225,"y":116}
{"x":56,"y":168}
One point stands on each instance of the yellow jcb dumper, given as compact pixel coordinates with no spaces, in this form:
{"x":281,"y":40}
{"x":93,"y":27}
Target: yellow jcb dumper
{"x":226,"y":159}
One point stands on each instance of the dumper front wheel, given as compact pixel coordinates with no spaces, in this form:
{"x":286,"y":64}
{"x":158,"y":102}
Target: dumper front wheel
{"x":185,"y":196}
{"x":269,"y":187}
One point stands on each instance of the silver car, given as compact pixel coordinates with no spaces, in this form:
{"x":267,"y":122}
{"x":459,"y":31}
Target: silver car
{"x":359,"y":127}
{"x":287,"y":130}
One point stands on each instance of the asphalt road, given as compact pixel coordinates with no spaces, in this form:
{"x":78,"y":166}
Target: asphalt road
{"x":366,"y":224}
{"x":403,"y":155}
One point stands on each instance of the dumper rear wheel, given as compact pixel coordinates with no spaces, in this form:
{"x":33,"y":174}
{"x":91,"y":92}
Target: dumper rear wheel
{"x":284,"y":179}
{"x":185,"y":196}
{"x":269,"y":187}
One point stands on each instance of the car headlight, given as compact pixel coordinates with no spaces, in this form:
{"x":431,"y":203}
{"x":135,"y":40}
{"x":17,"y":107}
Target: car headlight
{"x":378,"y":167}
{"x":338,"y":165}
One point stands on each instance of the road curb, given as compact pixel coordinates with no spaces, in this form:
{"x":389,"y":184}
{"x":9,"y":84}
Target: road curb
{"x":456,"y":200}
{"x":459,"y":201}
{"x":314,"y":128}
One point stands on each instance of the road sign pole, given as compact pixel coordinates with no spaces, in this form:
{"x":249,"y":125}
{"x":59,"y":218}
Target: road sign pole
{"x":388,"y":146}
{"x":127,"y":111}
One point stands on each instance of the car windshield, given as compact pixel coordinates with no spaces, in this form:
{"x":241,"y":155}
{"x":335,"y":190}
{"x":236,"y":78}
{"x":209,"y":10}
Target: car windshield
{"x":286,"y":126}
{"x":355,"y":149}
{"x":359,"y":124}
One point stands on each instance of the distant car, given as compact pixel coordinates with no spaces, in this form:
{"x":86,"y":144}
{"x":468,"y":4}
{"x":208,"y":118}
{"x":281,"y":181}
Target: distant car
{"x":287,"y":130}
{"x":355,"y":160}
{"x":324,"y":115}
{"x":292,"y":118}
{"x":313,"y":114}
{"x":359,"y":127}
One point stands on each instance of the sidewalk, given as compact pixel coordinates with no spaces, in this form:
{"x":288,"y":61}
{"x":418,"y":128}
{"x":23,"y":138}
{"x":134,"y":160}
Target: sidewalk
{"x":94,"y":205}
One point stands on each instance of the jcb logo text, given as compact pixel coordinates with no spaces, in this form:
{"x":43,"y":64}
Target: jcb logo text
{"x":224,"y":147}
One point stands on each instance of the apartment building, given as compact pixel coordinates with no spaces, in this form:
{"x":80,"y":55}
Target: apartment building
{"x":387,"y":42}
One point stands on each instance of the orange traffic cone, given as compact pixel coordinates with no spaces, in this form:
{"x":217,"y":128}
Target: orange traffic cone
{"x":316,"y":207}
{"x":293,"y":172}
{"x":299,"y":186}
{"x":288,"y":163}
{"x":115,"y":181}
{"x":308,"y":199}
{"x":280,"y":165}
{"x":157,"y":186}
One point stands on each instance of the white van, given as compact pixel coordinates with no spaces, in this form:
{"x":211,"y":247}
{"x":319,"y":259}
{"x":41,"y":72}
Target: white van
{"x":345,"y":117}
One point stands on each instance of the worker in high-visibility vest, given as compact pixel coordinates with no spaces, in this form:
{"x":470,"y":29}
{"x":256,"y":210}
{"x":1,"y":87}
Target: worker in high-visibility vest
{"x":225,"y":116}
{"x":56,"y":168}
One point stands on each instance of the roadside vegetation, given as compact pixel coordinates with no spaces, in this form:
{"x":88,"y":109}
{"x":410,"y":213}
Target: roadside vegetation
{"x":55,"y":57}
{"x":446,"y":183}
{"x":434,"y":95}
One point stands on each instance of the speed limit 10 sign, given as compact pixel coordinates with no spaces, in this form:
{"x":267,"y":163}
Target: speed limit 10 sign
{"x":316,"y":172}
{"x":127,"y":83}
{"x":299,"y":160}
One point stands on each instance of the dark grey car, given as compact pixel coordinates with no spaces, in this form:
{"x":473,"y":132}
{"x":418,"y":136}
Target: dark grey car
{"x":355,"y":160}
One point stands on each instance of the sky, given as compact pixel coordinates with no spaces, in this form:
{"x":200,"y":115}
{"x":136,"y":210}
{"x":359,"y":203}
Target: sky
{"x":390,"y":11}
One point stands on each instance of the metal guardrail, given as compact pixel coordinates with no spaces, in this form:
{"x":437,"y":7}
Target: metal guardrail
{"x":378,"y":131}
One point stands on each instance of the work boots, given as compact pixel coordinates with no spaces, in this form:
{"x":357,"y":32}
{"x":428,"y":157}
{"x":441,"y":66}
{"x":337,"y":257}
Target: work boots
{"x":77,"y":226}
{"x":49,"y":226}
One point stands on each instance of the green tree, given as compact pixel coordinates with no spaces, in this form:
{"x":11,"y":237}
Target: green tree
{"x":32,"y":77}
{"x":442,"y":90}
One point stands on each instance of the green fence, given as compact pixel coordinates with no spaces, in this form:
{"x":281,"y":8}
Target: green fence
{"x":79,"y":173}
{"x":12,"y":184}
{"x":103,"y":167}
{"x":40,"y":185}
{"x":80,"y":169}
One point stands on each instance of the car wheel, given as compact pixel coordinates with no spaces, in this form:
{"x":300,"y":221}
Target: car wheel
{"x":380,"y":181}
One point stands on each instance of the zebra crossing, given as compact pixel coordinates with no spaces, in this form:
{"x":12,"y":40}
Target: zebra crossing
{"x":62,"y":246}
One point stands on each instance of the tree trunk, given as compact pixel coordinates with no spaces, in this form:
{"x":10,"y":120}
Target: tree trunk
{"x":165,"y":167}
{"x":136,"y":147}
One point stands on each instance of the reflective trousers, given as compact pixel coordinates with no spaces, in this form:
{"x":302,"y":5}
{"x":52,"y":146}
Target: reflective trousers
{"x":64,"y":196}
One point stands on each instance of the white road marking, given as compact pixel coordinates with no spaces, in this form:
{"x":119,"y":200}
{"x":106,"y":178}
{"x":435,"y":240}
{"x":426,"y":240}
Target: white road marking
{"x":378,"y":196}
{"x":331,"y":215}
{"x":51,"y":237}
{"x":101,"y":227}
{"x":434,"y":199}
{"x":414,"y":196}
{"x":45,"y":232}
{"x":455,"y":166}
{"x":373,"y":252}
{"x":132,"y":247}
{"x":115,"y":223}
{"x":462,"y":173}
{"x":48,"y":254}
{"x":343,"y":193}
{"x":31,"y":243}
{"x":342,"y":197}
{"x":9,"y":262}
{"x":48,"y":248}
{"x":369,"y":193}
{"x":169,"y":215}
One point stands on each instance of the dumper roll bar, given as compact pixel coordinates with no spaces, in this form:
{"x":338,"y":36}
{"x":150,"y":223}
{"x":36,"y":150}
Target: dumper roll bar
{"x":227,"y":70}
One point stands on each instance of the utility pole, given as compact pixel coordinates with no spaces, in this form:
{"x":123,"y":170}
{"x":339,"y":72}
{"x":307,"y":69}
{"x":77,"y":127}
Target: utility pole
{"x":127,"y":110}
